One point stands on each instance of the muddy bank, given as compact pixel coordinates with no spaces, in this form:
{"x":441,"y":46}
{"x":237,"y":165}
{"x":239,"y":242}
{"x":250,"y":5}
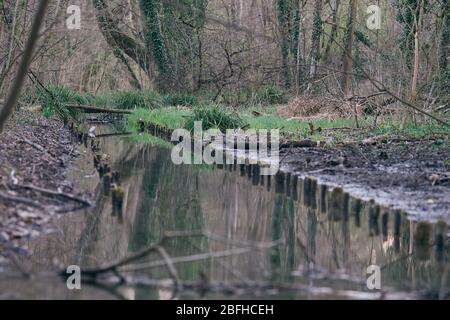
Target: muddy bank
{"x":36,"y":155}
{"x":413,"y":176}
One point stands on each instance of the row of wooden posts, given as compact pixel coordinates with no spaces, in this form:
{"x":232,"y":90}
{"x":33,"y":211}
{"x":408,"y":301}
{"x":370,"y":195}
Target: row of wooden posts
{"x":111,"y":182}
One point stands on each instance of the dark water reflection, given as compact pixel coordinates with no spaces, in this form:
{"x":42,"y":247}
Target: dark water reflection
{"x":328,"y":238}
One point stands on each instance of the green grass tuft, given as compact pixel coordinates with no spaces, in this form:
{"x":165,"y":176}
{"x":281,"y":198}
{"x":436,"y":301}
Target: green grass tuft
{"x":296,"y":129}
{"x":215,"y":117}
{"x":137,"y":99}
{"x":53,"y":100}
{"x":170,"y":118}
{"x":423,"y":128}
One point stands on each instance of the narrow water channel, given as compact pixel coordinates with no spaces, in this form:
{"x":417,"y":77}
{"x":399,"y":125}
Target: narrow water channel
{"x":319,"y":241}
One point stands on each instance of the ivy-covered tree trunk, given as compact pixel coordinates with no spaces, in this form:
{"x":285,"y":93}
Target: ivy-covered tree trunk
{"x":106,"y":28}
{"x":283,"y":19}
{"x":154,"y":42}
{"x":444,"y":49}
{"x":315,"y":43}
{"x":117,"y":39}
{"x":407,"y":13}
{"x":296,"y":46}
{"x":333,"y":33}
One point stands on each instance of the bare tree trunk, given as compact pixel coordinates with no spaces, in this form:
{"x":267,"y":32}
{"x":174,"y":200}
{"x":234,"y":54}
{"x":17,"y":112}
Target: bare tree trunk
{"x":415,"y":78}
{"x":241,"y":11}
{"x":10,"y":23}
{"x":16,"y":88}
{"x":348,"y":59}
{"x":234,"y":12}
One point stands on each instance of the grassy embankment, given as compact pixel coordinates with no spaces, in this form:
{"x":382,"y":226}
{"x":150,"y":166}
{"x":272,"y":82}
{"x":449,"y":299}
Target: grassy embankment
{"x":181,"y":110}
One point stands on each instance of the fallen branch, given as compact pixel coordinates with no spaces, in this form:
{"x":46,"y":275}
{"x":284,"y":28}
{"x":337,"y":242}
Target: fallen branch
{"x":34,"y":145}
{"x":92,"y":109}
{"x":307,"y":143}
{"x":341,"y":128}
{"x":118,"y":134}
{"x":37,"y":147}
{"x":67,"y":196}
{"x":375,"y":140}
{"x":13,"y":199}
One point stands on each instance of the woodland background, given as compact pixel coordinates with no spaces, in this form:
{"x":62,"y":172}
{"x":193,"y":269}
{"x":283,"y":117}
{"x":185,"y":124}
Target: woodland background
{"x":230,"y":50}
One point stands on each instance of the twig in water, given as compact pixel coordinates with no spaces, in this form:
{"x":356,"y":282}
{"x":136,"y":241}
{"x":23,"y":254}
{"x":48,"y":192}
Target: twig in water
{"x":169,"y":263}
{"x":199,"y":257}
{"x":25,"y":273}
{"x":120,"y":265}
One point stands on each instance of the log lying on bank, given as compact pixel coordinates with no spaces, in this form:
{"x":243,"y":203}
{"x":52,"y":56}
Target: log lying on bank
{"x":51,"y":193}
{"x":92,"y":109}
{"x":15,"y":199}
{"x":115,"y":134}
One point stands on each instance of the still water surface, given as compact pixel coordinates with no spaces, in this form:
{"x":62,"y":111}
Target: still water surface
{"x":317,"y":244}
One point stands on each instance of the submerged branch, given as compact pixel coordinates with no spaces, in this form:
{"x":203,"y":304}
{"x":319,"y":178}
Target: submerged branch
{"x":120,"y":265}
{"x":199,"y":257}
